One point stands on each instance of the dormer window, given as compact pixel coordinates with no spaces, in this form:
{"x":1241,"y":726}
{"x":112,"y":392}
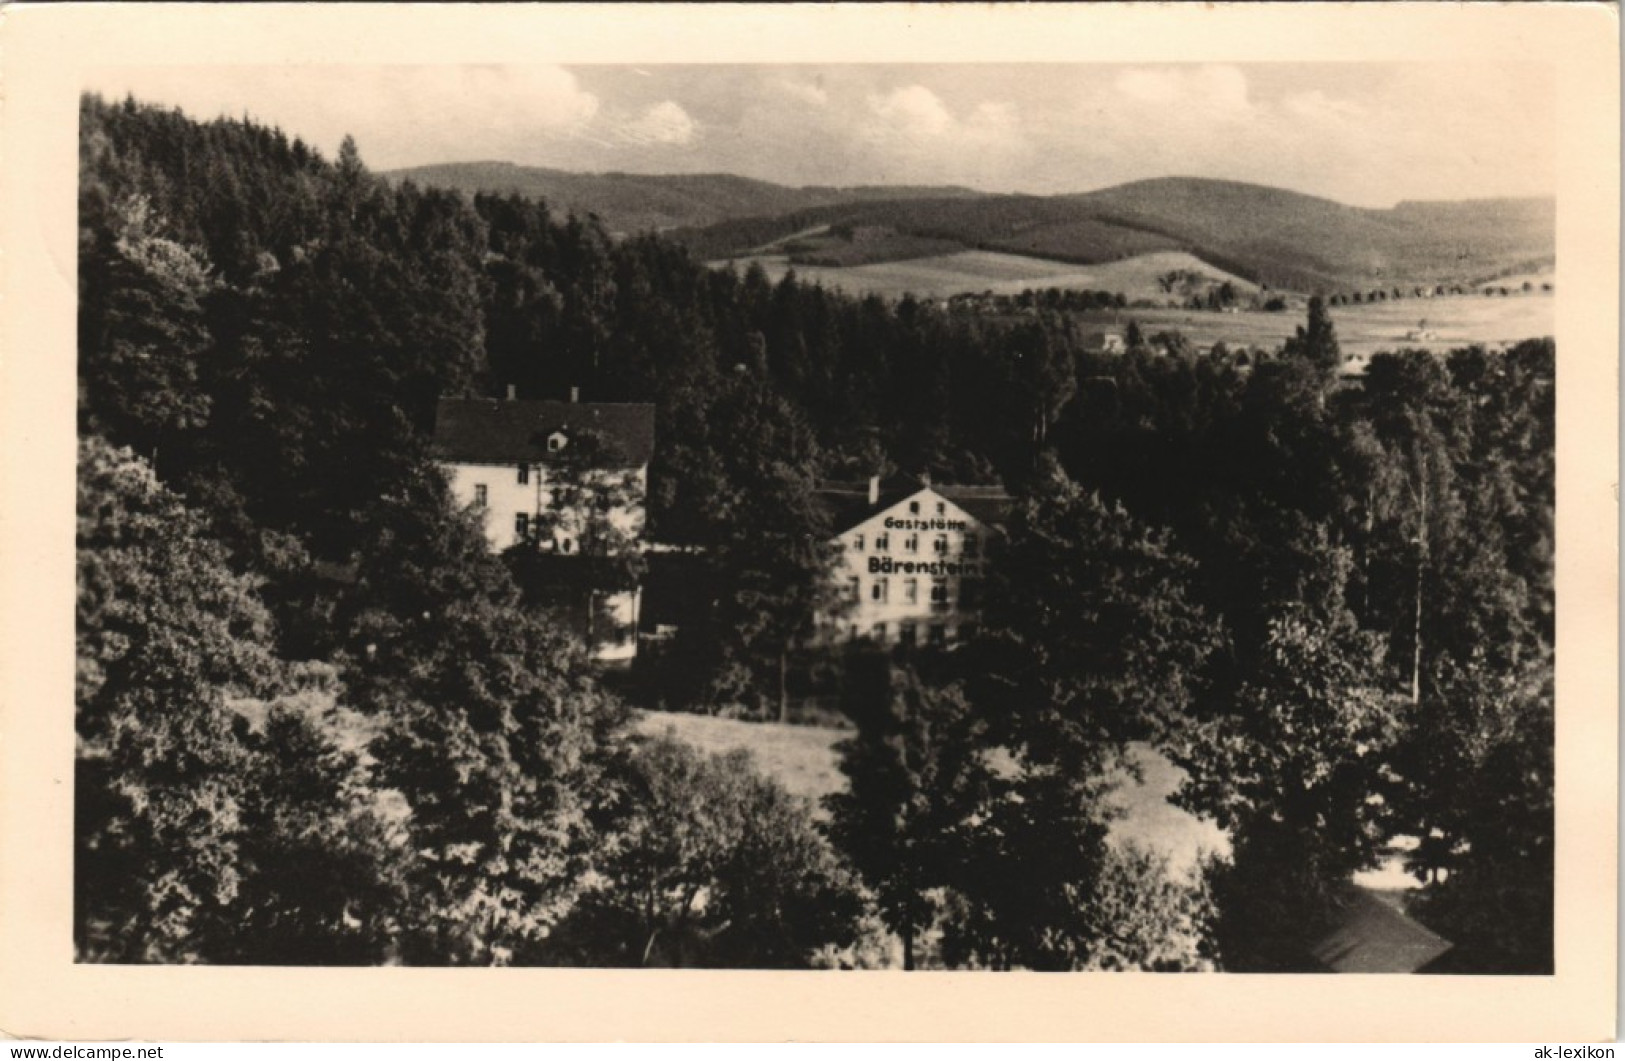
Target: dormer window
{"x":914,"y":508}
{"x":557,"y":441}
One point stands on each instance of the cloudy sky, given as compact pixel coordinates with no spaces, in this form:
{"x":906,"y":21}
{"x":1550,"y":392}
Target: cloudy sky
{"x":1360,"y":133}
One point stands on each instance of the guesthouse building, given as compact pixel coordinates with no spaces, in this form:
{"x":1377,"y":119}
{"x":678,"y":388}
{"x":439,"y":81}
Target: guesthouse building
{"x":566,"y":479}
{"x":912,"y":559}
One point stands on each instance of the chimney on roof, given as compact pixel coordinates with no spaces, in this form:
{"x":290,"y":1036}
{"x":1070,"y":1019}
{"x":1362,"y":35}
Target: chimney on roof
{"x":575,"y":395}
{"x":874,"y":489}
{"x":513,"y":391}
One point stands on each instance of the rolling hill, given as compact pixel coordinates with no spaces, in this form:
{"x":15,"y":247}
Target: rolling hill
{"x":630,"y":203}
{"x":1287,"y":239}
{"x":1271,"y":236}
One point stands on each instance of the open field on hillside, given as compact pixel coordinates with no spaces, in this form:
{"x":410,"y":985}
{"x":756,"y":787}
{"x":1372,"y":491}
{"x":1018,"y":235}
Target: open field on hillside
{"x":1364,"y":329}
{"x":803,"y":759}
{"x":944,"y":275}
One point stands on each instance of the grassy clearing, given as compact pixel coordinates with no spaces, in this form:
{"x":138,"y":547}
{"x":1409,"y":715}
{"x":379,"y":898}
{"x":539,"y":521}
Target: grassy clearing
{"x":1152,"y":822}
{"x":1453,"y":321}
{"x":801,"y":758}
{"x":804,"y":760}
{"x":944,"y":275}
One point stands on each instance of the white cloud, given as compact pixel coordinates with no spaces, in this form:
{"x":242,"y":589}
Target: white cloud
{"x":545,"y":97}
{"x":913,"y":112}
{"x":1218,"y":91}
{"x":802,"y":91}
{"x":664,"y":123}
{"x":399,"y":115}
{"x":1365,"y":135}
{"x":911,"y":135}
{"x":1316,"y":106}
{"x":994,"y":120}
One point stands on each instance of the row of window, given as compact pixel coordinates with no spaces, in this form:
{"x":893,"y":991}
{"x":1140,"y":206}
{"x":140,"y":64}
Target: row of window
{"x":908,"y":633}
{"x":880,"y":591}
{"x":554,"y":444}
{"x":911,"y":544}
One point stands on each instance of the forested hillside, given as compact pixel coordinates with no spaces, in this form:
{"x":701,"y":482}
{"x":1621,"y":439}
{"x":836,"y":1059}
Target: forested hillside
{"x":634,"y":203}
{"x":319,"y":723}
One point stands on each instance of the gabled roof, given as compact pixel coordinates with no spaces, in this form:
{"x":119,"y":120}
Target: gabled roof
{"x":1372,"y":936}
{"x":487,"y":431}
{"x":848,"y":502}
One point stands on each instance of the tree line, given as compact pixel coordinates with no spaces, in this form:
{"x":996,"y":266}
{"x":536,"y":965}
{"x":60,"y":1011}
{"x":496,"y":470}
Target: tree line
{"x":318,"y":723}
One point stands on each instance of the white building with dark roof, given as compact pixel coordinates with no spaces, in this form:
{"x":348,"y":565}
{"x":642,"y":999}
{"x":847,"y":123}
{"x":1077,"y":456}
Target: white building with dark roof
{"x":509,"y":461}
{"x":912,"y":559}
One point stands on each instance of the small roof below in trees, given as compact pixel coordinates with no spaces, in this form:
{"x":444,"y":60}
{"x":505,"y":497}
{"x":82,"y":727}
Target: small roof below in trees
{"x":489,"y":431}
{"x":1372,"y":936}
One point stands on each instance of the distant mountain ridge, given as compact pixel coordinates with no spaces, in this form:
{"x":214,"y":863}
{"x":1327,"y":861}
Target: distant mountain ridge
{"x":629,"y":203}
{"x":1271,"y":236}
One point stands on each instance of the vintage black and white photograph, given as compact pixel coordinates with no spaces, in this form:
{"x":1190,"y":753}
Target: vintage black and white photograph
{"x":1053,"y":516}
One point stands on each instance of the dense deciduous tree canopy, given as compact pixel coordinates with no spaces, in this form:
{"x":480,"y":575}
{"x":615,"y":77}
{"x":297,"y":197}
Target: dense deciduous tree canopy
{"x":711,"y":865}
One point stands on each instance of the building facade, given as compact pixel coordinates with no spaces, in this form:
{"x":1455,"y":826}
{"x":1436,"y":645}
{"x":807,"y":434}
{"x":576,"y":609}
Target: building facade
{"x":567,"y":479}
{"x":912,"y":560}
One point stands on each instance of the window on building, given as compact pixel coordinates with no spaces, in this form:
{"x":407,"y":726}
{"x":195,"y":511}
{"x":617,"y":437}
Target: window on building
{"x":857,"y":543}
{"x":882,"y":543}
{"x":879,"y":632}
{"x":941,"y":545}
{"x":567,"y":545}
{"x":907,"y":635}
{"x":939,"y":633}
{"x":556,"y":441}
{"x":479,"y":494}
{"x":524,"y":474}
{"x":852,"y":590}
{"x":911,"y":544}
{"x":879,"y":591}
{"x":942,"y":508}
{"x":911,"y":590}
{"x":521,"y":526}
{"x":939,"y":591}
{"x":914,"y":508}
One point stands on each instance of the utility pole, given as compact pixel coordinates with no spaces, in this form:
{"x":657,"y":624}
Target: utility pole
{"x":1421,"y":542}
